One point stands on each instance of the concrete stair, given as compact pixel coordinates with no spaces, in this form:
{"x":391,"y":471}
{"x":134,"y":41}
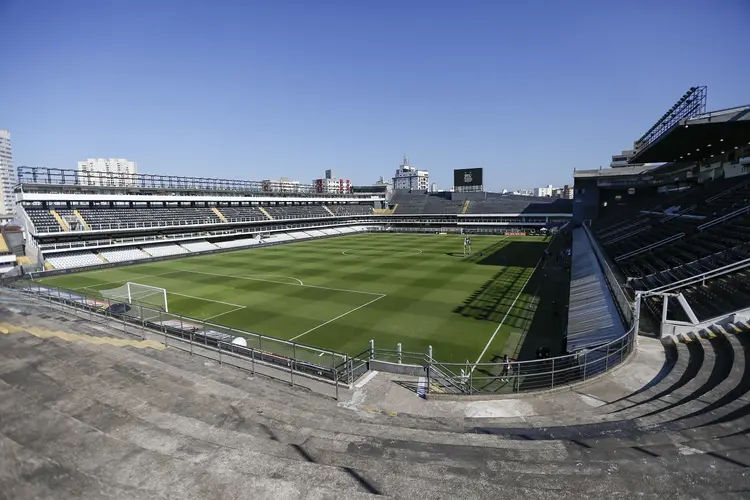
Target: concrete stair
{"x":265,"y":212}
{"x":220,"y":215}
{"x":81,"y":420}
{"x":60,"y":220}
{"x":82,"y":220}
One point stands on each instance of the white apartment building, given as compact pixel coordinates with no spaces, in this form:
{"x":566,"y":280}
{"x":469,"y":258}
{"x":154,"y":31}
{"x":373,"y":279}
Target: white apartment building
{"x":7,"y":175}
{"x":544,"y":192}
{"x":283,"y":185}
{"x":408,"y":177}
{"x":107,"y":172}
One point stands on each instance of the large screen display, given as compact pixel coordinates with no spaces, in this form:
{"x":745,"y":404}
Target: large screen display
{"x":467,"y":177}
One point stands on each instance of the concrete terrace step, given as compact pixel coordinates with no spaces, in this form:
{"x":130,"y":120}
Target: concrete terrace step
{"x":90,"y":421}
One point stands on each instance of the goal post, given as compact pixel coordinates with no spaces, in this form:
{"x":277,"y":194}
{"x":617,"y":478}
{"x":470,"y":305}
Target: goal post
{"x":137,"y":293}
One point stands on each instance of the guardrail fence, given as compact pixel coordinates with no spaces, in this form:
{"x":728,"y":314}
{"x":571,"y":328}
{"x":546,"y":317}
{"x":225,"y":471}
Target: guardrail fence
{"x":240,"y":347}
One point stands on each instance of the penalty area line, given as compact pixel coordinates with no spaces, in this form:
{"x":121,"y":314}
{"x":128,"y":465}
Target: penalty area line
{"x":337,"y":317}
{"x":227,"y":312}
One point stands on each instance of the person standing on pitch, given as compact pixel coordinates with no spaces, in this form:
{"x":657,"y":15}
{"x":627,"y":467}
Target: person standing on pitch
{"x":467,"y":246}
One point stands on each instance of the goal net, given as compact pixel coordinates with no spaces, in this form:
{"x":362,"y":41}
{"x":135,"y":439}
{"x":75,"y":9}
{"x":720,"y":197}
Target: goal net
{"x":136,"y":294}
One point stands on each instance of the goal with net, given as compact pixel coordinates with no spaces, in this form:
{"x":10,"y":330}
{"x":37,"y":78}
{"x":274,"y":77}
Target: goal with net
{"x":135,"y":293}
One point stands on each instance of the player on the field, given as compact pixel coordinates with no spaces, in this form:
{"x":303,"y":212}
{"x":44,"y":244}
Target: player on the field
{"x":467,"y":246}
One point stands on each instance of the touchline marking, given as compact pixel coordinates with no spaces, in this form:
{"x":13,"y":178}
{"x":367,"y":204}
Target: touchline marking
{"x":508,"y":311}
{"x":207,"y":300}
{"x":284,"y":283}
{"x":337,"y":317}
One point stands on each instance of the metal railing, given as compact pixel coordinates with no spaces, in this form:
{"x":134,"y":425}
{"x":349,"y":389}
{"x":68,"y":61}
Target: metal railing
{"x":621,"y":299}
{"x":529,"y":376}
{"x":294,"y":358}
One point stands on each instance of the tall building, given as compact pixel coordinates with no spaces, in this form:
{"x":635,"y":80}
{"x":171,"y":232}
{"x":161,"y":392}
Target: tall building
{"x":332,"y":186}
{"x":543,"y":192}
{"x":408,"y":177}
{"x":7,"y":175}
{"x":107,"y":172}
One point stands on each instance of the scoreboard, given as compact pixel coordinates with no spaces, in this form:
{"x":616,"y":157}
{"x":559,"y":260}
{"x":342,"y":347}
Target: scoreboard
{"x":468,"y":179}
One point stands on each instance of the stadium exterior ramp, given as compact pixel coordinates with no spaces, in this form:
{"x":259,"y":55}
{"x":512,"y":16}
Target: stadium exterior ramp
{"x":87,"y":420}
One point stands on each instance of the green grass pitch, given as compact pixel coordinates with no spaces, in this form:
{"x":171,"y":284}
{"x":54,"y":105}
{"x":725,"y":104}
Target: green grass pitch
{"x":338,"y":293}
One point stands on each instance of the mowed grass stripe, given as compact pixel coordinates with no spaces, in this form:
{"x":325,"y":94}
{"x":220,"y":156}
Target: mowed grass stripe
{"x":433,"y":298}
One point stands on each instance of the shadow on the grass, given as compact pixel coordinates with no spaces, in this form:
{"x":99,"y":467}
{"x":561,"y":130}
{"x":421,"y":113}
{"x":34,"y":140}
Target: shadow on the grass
{"x":541,"y":310}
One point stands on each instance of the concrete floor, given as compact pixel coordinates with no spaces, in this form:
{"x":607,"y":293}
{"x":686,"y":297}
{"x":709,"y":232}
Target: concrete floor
{"x":86,"y":412}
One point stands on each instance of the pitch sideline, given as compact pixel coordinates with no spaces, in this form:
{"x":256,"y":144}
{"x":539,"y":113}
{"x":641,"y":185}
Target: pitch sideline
{"x":507,"y":313}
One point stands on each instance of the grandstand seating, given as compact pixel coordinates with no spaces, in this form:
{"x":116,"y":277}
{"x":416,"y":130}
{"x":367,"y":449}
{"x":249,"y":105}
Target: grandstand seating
{"x":297,"y":211}
{"x":73,"y":259}
{"x":242,"y":242}
{"x":123,"y":254}
{"x":164,"y":250}
{"x":243,"y":214}
{"x":492,"y":203}
{"x":198,"y":246}
{"x":343,"y":210}
{"x":681,"y":235}
{"x":43,"y":220}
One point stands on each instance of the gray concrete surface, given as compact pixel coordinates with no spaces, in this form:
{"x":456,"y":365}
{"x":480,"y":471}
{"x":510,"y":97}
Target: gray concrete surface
{"x":87,"y":412}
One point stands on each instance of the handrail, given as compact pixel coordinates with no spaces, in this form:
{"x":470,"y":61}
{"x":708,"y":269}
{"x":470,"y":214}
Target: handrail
{"x":725,"y":192}
{"x":628,"y":235}
{"x":714,"y":273}
{"x":725,"y":217}
{"x":650,"y":247}
{"x":621,"y":299}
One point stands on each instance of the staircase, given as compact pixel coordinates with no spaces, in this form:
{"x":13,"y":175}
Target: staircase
{"x":465,"y":207}
{"x":101,"y":257}
{"x":60,"y":220}
{"x":265,"y":213}
{"x":82,"y":220}
{"x":329,"y":211}
{"x":48,"y":266}
{"x":219,"y":214}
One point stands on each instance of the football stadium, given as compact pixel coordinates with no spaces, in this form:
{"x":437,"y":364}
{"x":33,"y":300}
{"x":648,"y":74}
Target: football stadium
{"x":164,"y":333}
{"x":456,"y":345}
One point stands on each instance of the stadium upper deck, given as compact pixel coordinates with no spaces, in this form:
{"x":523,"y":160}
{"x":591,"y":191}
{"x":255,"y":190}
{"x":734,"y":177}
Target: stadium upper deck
{"x":678,"y":233}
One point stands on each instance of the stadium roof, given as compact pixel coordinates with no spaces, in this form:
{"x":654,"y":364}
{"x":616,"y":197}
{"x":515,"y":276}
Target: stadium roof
{"x":699,"y":137}
{"x":614,"y":172}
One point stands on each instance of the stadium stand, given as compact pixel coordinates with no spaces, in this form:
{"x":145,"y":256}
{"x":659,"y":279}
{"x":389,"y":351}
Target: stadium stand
{"x":297,"y":212}
{"x":123,"y":255}
{"x":491,"y":203}
{"x":164,"y":250}
{"x":238,"y":243}
{"x":73,"y":259}
{"x":344,"y":210}
{"x":243,"y":213}
{"x":198,"y":246}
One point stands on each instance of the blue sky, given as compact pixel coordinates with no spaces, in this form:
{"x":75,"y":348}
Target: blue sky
{"x":528,"y":90}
